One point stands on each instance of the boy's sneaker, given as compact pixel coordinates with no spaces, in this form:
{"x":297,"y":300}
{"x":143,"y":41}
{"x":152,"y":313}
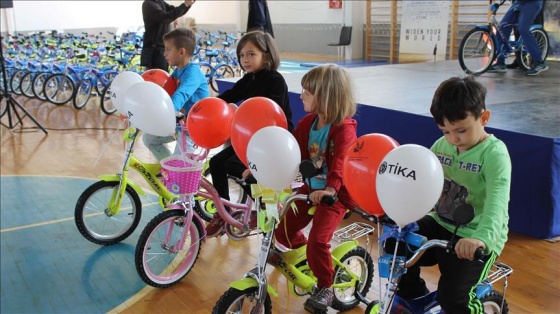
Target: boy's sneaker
{"x":537,"y":68}
{"x":215,"y":226}
{"x":498,"y":68}
{"x":320,"y":300}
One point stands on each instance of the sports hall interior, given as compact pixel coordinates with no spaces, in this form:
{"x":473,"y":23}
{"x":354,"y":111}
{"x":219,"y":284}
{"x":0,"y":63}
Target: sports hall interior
{"x":50,"y":154}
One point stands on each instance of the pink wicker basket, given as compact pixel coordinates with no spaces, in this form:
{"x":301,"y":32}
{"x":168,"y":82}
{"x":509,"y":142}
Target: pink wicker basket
{"x":181,"y":175}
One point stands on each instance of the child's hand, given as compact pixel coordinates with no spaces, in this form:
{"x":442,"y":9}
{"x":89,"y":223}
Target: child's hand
{"x":245,"y":174}
{"x":317,"y":196}
{"x":466,"y":247}
{"x":188,"y":3}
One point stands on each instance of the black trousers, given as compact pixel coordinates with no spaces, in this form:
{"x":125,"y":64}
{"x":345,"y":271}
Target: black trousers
{"x":153,"y":58}
{"x":458,"y":277}
{"x":223,"y":163}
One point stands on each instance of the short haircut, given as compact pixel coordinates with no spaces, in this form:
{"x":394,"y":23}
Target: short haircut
{"x":331,"y":86}
{"x":182,"y":38}
{"x":456,"y":97}
{"x":265,"y":43}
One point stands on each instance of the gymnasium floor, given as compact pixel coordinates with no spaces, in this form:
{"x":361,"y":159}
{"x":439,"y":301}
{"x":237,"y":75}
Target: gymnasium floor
{"x":48,"y":267}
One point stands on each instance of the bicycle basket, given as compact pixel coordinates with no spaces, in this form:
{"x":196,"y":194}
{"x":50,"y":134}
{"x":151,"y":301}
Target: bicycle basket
{"x":181,"y":175}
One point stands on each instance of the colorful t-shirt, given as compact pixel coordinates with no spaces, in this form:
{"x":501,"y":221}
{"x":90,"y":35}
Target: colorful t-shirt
{"x":317,"y":146}
{"x":481,"y":177}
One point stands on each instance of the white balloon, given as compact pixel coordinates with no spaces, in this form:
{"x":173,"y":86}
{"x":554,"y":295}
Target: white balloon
{"x":149,"y":108}
{"x":273,"y":156}
{"x":120,"y":85}
{"x":409,"y":183}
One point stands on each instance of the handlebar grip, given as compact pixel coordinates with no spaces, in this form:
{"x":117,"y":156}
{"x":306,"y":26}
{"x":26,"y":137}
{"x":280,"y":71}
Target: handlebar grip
{"x":479,"y":253}
{"x":328,"y":199}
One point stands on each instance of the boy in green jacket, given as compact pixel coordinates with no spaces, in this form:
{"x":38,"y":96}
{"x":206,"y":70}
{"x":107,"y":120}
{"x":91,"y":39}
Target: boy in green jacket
{"x":477,"y":170}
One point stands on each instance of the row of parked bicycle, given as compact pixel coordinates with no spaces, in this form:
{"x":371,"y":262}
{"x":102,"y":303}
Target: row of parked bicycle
{"x":60,"y":68}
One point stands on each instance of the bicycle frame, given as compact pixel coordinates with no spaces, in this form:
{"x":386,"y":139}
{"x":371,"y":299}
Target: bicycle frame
{"x":286,"y":264}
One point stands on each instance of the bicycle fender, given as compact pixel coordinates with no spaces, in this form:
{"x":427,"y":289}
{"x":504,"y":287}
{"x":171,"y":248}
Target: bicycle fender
{"x":247,"y":283}
{"x":344,"y":248}
{"x":536,"y":26}
{"x":114,"y":177}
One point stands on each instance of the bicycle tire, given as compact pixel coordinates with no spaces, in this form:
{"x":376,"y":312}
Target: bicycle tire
{"x":492,"y":302}
{"x":26,"y":85}
{"x":220,"y":72}
{"x":82,"y":94}
{"x":206,"y":207}
{"x":103,"y":82}
{"x":15,"y":82}
{"x":241,"y":301}
{"x":158,"y":262}
{"x":91,"y":216}
{"x":360,"y":262}
{"x":105,"y":101}
{"x":59,"y":89}
{"x":525,"y":60}
{"x":3,"y":102}
{"x":477,"y":51}
{"x":39,"y":84}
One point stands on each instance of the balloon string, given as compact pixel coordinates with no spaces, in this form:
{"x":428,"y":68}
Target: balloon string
{"x":106,"y":146}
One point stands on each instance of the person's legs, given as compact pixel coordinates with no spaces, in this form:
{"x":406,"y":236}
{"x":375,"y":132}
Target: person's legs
{"x":235,"y":167}
{"x":156,"y":145}
{"x":506,"y":26}
{"x":458,"y":280}
{"x":527,"y":14}
{"x":218,"y":172}
{"x":158,"y":59}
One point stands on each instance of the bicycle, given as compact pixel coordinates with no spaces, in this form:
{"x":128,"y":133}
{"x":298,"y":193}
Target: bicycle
{"x":109,"y":210}
{"x":353,"y":265}
{"x":391,"y":266}
{"x":478,"y":49}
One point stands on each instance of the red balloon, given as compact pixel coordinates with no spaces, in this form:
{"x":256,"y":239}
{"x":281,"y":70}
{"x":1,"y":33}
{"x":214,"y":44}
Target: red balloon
{"x":360,"y":169}
{"x":209,"y":122}
{"x":252,"y":115}
{"x":161,"y":78}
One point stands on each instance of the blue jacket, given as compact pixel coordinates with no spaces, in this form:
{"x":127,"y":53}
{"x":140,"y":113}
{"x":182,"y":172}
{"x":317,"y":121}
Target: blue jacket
{"x":191,"y":87}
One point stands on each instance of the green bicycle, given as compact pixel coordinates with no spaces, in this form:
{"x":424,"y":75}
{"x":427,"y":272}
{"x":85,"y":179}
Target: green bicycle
{"x":109,"y":210}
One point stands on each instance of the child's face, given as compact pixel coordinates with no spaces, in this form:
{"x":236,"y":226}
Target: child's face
{"x":466,"y":133}
{"x":307,"y":99}
{"x":252,"y":59}
{"x":173,"y":55}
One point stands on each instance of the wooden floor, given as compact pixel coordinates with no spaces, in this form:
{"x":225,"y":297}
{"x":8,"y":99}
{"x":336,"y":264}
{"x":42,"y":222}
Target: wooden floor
{"x":86,"y":143}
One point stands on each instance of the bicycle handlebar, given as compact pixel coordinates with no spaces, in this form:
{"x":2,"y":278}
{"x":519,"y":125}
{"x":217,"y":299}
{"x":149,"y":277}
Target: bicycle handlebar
{"x":478,"y":254}
{"x":327,"y":200}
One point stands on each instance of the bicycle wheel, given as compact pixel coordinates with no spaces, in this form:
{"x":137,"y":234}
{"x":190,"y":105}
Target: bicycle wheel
{"x":92,"y":215}
{"x":159,"y":259}
{"x":3,"y":102}
{"x":82,"y":94}
{"x":26,"y":85}
{"x":206,"y":207}
{"x":106,"y":103}
{"x":39,"y":84}
{"x":15,"y":81}
{"x":492,"y":303}
{"x":359,"y":262}
{"x":525,"y":60}
{"x":241,"y":301}
{"x":58,"y":89}
{"x":221,"y":72}
{"x":477,"y":51}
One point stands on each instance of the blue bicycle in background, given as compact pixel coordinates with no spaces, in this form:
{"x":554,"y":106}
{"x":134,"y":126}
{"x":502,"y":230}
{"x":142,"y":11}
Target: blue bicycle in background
{"x":479,"y":49}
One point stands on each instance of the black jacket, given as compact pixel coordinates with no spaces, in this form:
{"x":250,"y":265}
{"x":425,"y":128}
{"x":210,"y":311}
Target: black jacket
{"x":157,"y":16}
{"x":270,"y":84}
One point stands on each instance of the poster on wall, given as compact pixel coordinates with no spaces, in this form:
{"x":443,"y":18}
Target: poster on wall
{"x":423,"y":31}
{"x":335,"y":4}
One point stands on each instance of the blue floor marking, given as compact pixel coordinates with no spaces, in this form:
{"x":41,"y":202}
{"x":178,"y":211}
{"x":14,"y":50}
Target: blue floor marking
{"x":51,"y":268}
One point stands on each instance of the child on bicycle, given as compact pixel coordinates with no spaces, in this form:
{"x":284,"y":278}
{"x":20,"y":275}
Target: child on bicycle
{"x":522,"y":12}
{"x":477,"y":170}
{"x":260,"y":58}
{"x":324,"y":136}
{"x":191,"y":86}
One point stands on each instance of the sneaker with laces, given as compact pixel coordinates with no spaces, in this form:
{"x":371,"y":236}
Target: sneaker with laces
{"x":537,"y":68}
{"x":498,"y":68}
{"x":320,"y":300}
{"x":215,"y":227}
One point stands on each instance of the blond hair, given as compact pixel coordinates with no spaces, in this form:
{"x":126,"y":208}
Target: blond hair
{"x":333,"y":93}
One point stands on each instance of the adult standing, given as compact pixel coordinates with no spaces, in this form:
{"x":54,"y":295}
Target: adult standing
{"x":158,"y":15}
{"x":259,"y":18}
